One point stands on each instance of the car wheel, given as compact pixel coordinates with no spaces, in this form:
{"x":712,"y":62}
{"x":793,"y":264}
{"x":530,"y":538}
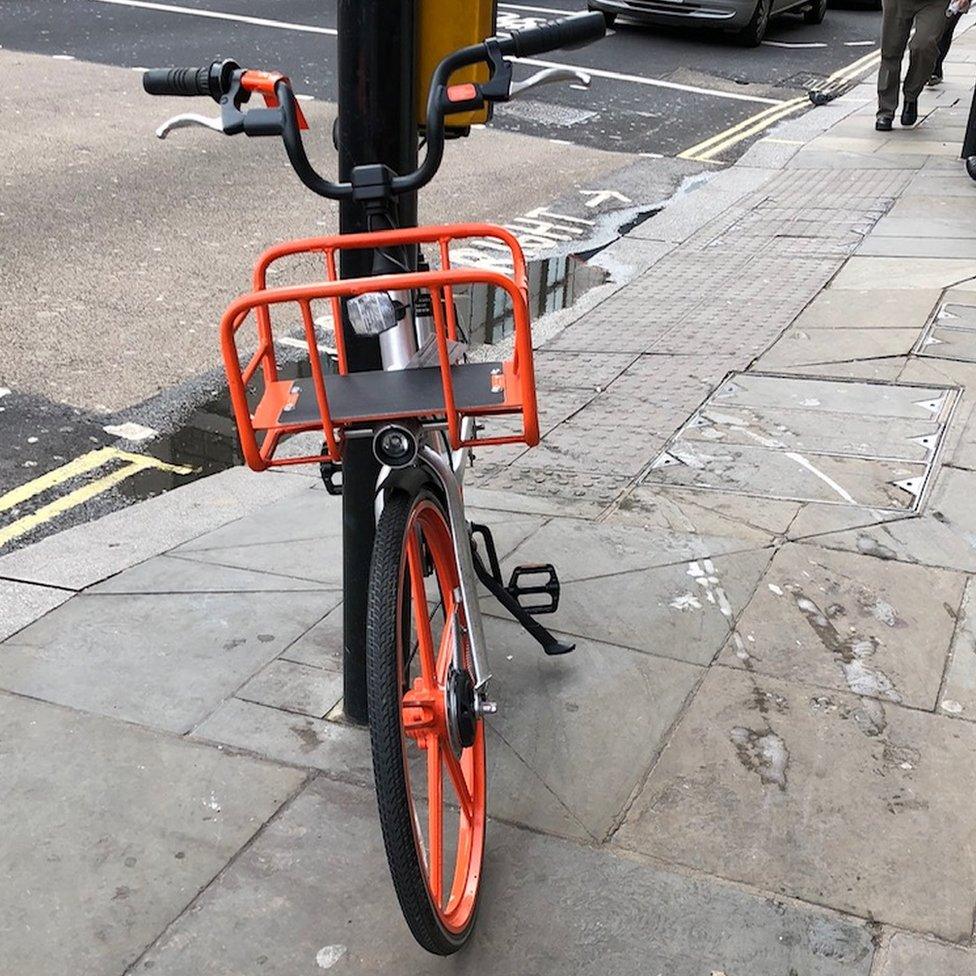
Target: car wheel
{"x":971,"y":166}
{"x":753,"y":33}
{"x":815,"y":13}
{"x":609,"y":18}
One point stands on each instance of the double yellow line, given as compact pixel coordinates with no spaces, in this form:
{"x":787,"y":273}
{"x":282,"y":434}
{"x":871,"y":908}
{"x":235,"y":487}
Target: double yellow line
{"x":132,"y":464}
{"x":707,"y":150}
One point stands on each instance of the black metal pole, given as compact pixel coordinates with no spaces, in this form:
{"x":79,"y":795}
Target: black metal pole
{"x":376,"y":125}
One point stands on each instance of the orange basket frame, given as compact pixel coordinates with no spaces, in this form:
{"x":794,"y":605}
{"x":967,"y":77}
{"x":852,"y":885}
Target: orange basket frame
{"x":516,"y":381}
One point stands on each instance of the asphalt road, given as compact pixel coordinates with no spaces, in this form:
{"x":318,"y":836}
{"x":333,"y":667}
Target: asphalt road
{"x":127,"y":249}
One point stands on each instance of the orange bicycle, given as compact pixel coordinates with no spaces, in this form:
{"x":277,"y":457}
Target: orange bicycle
{"x":427,"y":672}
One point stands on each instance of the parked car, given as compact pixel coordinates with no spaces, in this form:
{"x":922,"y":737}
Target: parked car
{"x":746,"y":19}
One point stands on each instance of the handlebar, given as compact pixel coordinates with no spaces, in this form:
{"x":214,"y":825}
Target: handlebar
{"x":227,"y":84}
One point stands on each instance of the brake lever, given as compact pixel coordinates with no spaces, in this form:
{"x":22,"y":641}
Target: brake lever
{"x":186,"y":120}
{"x":548,"y":76}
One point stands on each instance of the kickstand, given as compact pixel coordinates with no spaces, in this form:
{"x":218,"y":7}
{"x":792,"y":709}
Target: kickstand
{"x":492,"y":580}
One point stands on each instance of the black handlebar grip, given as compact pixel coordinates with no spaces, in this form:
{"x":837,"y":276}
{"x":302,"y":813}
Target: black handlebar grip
{"x":177,"y":81}
{"x":567,"y":32}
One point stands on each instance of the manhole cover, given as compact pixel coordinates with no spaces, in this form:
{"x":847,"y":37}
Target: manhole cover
{"x":844,"y":442}
{"x":951,"y":334}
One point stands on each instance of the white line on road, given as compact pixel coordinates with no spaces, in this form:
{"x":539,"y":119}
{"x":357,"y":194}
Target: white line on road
{"x":537,"y":10}
{"x":792,"y":44}
{"x":332,"y":32}
{"x":859,"y":43}
{"x":653,"y":82}
{"x":170,"y":8}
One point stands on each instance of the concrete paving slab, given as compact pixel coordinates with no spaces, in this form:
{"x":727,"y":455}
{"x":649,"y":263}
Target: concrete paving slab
{"x":110,"y":831}
{"x":816,"y":158}
{"x":817,"y":518}
{"x":939,"y":184}
{"x":163,"y":660}
{"x":85,"y":554}
{"x":886,"y":370}
{"x":907,"y":954}
{"x":340,"y":750}
{"x":944,"y":536}
{"x":321,"y":645}
{"x":923,"y":247}
{"x":588,"y":724}
{"x":863,"y":273}
{"x":960,"y":226}
{"x":958,"y":694}
{"x":829,"y":797}
{"x":294,"y":688}
{"x":576,"y":370}
{"x":21,"y":604}
{"x":545,"y":491}
{"x":169,"y":574}
{"x":801,"y":346}
{"x":548,"y":905}
{"x":305,"y":515}
{"x":581,"y":550}
{"x":681,"y":611}
{"x":711,"y":516}
{"x":841,"y":621}
{"x":316,"y":561}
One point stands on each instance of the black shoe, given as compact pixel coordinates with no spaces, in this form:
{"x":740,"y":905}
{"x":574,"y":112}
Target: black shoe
{"x":909,"y":112}
{"x":935,"y":80}
{"x":884,"y":122}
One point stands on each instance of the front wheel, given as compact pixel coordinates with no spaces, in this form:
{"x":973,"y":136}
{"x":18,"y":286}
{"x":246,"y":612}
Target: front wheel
{"x":753,"y":33}
{"x":428,"y":742}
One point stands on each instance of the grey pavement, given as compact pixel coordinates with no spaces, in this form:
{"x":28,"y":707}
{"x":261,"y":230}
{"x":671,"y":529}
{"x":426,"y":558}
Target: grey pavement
{"x":757,"y":480}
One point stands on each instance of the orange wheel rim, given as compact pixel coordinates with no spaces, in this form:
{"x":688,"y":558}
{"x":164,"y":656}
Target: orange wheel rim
{"x":450,"y":839}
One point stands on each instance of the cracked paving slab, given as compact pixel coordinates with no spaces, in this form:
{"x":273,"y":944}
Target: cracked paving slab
{"x":907,"y":954}
{"x":110,"y":831}
{"x":683,"y":611}
{"x":589,"y":912}
{"x":958,"y":696}
{"x":129,"y":656}
{"x":945,"y":536}
{"x":843,"y":621}
{"x":830,"y":798}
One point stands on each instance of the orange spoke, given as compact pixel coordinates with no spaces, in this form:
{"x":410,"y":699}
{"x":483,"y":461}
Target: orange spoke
{"x":435,"y":830}
{"x":460,"y":784}
{"x":418,"y":595}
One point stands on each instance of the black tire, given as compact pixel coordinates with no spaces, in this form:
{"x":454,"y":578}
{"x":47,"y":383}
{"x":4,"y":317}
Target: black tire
{"x":609,"y":18}
{"x":815,"y":13}
{"x":384,"y":675}
{"x":753,"y":33}
{"x":971,"y":166}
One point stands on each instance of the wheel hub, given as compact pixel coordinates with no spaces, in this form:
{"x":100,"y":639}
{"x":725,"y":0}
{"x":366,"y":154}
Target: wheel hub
{"x":462,"y":715}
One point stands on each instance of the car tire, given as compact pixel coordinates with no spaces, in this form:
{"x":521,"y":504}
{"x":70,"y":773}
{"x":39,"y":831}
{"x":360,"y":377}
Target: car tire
{"x":971,"y":166}
{"x":753,"y":33}
{"x":608,"y":18}
{"x":815,"y":13}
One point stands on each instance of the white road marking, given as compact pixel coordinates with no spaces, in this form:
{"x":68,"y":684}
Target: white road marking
{"x":63,"y":57}
{"x":602,"y":196}
{"x":859,"y":43}
{"x":332,"y":32}
{"x":169,"y":8}
{"x":652,"y":82}
{"x":793,"y":44}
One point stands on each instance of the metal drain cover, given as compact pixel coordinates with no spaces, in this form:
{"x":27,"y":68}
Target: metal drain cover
{"x":951,"y":334}
{"x":845,"y":442}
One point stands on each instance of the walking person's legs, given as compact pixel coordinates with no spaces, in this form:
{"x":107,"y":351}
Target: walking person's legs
{"x":945,"y":42}
{"x":896,"y":24}
{"x":930,"y":22}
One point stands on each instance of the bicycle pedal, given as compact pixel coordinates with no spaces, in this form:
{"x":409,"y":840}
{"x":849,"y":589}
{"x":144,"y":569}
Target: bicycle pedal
{"x":330,"y":470}
{"x":547,"y":591}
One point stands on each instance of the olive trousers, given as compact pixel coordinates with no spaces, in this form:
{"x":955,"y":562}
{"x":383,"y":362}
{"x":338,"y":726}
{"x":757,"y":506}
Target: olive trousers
{"x":898,"y":16}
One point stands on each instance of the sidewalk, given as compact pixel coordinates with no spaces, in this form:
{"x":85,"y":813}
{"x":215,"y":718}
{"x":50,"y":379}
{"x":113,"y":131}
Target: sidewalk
{"x":757,"y":480}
